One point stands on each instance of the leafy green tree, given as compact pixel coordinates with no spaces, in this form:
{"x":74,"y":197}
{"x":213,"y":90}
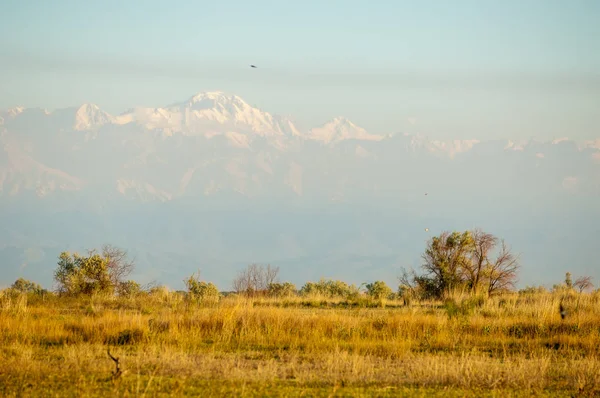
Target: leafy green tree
{"x":462,"y":261}
{"x":445,"y":259}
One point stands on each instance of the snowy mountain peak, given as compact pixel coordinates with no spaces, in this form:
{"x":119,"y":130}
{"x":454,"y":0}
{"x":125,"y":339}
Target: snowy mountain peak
{"x":11,"y":112}
{"x":210,"y":113}
{"x":341,"y":120}
{"x":338,"y":129}
{"x":15,"y":111}
{"x":215,"y":100}
{"x":89,"y":116}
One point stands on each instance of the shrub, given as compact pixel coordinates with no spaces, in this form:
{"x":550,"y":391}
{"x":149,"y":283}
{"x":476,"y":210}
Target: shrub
{"x":379,"y":290}
{"x":95,"y":273}
{"x":200,"y":291}
{"x":129,"y":289}
{"x":24,"y":286}
{"x":330,"y":289}
{"x":285,"y":289}
{"x":77,"y":274}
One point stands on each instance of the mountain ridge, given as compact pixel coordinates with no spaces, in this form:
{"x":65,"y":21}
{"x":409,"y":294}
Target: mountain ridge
{"x":215,"y":141}
{"x":213,"y":182}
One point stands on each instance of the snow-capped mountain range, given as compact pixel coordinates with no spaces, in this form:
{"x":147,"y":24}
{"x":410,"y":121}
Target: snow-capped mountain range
{"x":216,"y":141}
{"x":215,"y":181}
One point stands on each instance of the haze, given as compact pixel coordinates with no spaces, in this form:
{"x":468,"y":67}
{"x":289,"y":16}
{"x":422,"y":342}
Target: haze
{"x":465,"y":69}
{"x":141,"y":124}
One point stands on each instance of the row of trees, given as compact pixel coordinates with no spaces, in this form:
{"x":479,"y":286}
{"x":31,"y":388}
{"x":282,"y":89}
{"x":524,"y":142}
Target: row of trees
{"x":473,"y":262}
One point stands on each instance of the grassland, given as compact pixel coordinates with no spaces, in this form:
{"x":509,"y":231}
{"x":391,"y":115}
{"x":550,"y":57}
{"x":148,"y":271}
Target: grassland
{"x":511,"y":345}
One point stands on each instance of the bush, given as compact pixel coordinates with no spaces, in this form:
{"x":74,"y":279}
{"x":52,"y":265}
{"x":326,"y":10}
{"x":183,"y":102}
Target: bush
{"x":129,"y":289}
{"x":200,"y":291}
{"x":533,"y":290}
{"x":24,"y":286}
{"x":83,"y":275}
{"x":95,"y":273}
{"x":379,"y":290}
{"x":330,"y":289}
{"x":285,"y":289}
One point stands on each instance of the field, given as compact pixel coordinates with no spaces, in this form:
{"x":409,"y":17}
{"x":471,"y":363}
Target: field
{"x":509,"y":345}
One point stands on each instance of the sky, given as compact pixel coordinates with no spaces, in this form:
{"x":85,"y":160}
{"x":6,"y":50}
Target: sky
{"x":462,"y":69}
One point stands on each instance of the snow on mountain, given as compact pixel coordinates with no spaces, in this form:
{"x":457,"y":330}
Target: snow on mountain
{"x":339,"y":129}
{"x":217,"y":142}
{"x":211,"y":113}
{"x":451,"y":148}
{"x":12,"y":112}
{"x":89,"y":116}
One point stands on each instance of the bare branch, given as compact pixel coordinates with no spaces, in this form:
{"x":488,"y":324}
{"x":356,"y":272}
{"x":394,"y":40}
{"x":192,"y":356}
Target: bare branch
{"x":117,"y":373}
{"x":119,"y":267}
{"x":583,"y":283}
{"x":502,"y":273}
{"x":255,"y":278}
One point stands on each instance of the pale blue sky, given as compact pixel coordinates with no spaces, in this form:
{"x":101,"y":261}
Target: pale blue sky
{"x":463,"y":69}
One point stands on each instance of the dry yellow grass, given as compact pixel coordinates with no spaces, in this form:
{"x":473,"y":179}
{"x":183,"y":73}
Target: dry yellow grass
{"x":509,"y":345}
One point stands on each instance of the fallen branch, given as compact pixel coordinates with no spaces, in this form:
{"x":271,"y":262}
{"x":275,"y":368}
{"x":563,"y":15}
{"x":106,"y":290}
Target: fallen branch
{"x":117,"y":373}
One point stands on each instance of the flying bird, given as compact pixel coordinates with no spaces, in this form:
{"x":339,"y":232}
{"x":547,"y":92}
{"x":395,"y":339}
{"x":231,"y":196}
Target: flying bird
{"x":253,"y":66}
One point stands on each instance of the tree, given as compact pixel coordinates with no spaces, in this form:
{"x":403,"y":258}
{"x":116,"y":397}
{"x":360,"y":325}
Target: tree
{"x":255,"y":279}
{"x":119,"y":267}
{"x":378,"y":290}
{"x":446,"y":257}
{"x":583,"y":283}
{"x":22,"y":285}
{"x":501,"y":273}
{"x":568,"y":281}
{"x":462,"y":260}
{"x":483,"y":243}
{"x":97,"y":272}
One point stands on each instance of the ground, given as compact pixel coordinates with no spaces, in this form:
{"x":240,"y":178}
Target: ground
{"x":511,"y":345}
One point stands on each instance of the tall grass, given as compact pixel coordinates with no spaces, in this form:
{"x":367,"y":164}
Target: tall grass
{"x":169,"y":345}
